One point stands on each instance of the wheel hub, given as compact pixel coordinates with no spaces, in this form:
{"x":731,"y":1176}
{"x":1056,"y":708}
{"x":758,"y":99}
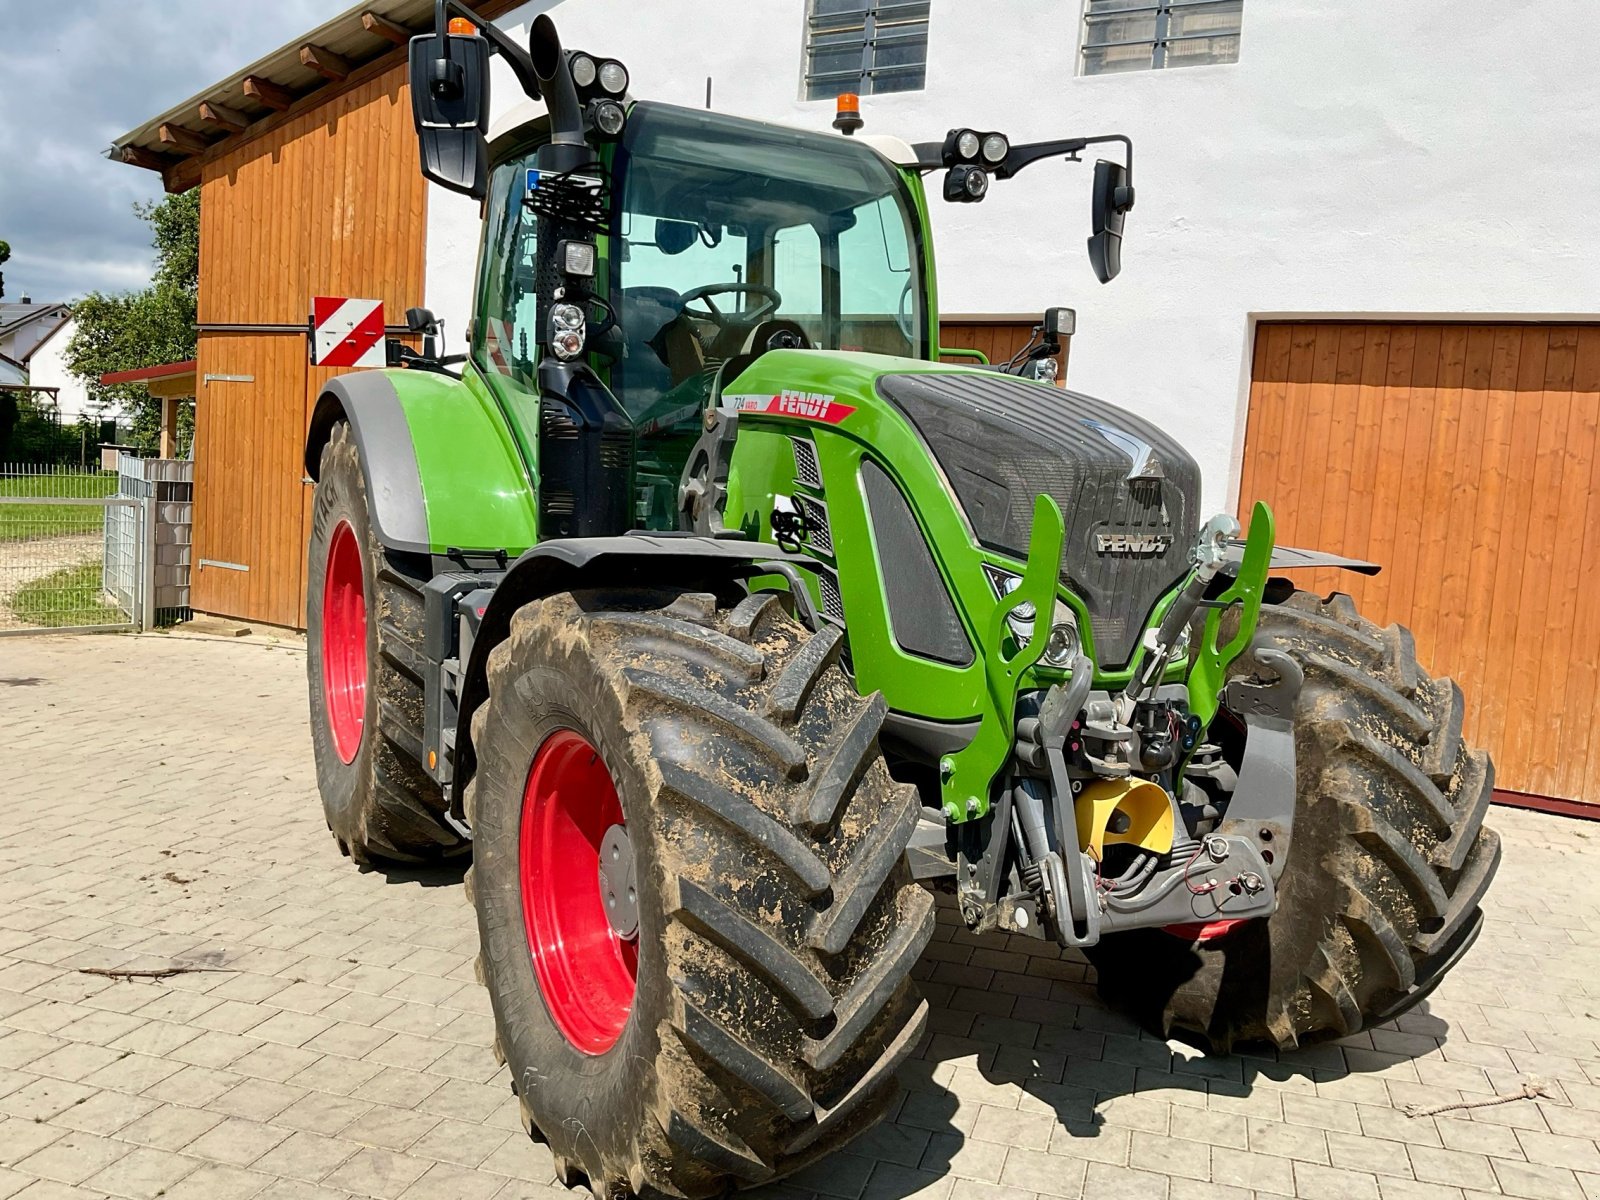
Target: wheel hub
{"x":617,"y":882}
{"x":344,"y":642}
{"x":579,"y":896}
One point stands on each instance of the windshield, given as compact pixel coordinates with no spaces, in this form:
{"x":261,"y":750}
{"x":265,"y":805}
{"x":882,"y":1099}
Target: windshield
{"x":729,"y":230}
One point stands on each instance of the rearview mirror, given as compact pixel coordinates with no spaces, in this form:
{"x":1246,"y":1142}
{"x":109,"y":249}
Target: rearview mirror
{"x":674,"y":237}
{"x":1113,"y":197}
{"x":450,"y":108}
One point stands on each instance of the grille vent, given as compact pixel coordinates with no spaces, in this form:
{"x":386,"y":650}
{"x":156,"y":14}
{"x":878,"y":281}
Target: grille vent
{"x":807,"y":469}
{"x":832,"y":601}
{"x":819,"y":535}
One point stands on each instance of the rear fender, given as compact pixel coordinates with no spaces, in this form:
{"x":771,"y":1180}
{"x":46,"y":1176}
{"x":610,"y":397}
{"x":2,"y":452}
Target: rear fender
{"x":635,"y":560}
{"x":441,"y":469}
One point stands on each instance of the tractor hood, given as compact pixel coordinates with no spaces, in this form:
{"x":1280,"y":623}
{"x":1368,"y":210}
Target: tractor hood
{"x":1129,"y":493}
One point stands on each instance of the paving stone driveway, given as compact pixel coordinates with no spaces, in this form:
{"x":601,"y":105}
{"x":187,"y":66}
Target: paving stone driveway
{"x":165,"y":812}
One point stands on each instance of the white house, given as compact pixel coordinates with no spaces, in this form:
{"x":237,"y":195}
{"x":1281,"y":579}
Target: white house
{"x":1356,"y":161}
{"x":48,"y":369}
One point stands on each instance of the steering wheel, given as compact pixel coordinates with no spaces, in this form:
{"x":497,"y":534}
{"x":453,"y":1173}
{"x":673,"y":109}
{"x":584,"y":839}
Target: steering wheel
{"x":770,"y":297}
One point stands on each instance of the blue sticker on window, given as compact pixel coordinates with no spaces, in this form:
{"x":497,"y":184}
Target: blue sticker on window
{"x":533,"y":179}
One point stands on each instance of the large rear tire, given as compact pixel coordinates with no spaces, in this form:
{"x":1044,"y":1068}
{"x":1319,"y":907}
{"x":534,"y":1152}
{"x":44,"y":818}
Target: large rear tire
{"x":1389,"y":860}
{"x":363,"y":667}
{"x":756,"y":1015}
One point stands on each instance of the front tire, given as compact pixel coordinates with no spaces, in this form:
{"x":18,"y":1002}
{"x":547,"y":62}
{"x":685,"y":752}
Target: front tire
{"x":1389,"y":860}
{"x":765,"y":994}
{"x":363,"y":631}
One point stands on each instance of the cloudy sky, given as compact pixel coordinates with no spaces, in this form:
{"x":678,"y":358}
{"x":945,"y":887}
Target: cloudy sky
{"x":79,"y":73}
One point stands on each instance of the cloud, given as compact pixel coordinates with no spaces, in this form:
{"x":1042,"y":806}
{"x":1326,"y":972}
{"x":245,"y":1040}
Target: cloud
{"x":78,"y":75}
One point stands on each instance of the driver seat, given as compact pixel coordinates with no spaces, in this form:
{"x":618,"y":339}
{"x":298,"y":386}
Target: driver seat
{"x":662,"y":350}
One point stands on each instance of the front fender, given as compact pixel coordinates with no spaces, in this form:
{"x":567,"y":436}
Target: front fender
{"x":441,"y":468}
{"x":634,"y":560}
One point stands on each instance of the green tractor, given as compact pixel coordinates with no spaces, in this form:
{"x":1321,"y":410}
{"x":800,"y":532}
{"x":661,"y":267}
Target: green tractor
{"x":721,"y":622}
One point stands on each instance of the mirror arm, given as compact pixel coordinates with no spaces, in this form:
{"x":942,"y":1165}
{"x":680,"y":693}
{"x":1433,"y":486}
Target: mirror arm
{"x":516,"y":57}
{"x":1031,"y":152}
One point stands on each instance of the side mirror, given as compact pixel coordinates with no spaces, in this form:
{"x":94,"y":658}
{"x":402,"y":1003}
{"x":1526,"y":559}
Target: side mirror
{"x":1113,"y":197}
{"x":450,"y":108}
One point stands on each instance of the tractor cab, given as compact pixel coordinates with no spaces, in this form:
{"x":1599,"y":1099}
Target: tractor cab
{"x":723,"y":238}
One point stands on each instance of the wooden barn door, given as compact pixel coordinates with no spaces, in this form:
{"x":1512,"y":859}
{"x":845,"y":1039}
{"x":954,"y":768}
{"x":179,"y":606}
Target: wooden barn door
{"x":1464,"y":459}
{"x":998,"y":338}
{"x":328,"y":203}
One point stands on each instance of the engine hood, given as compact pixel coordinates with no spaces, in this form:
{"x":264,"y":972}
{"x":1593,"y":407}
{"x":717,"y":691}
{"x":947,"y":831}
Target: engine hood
{"x":1128,"y":492}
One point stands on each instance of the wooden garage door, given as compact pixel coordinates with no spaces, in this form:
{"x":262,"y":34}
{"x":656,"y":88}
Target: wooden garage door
{"x":1463,"y":458}
{"x":328,"y":203}
{"x":997,"y":338}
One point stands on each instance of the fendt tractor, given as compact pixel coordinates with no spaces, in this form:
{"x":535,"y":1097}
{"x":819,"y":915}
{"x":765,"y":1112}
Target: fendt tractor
{"x":724,"y":623}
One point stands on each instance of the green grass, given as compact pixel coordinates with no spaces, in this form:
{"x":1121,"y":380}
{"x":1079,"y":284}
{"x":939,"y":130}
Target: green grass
{"x":25,"y":522}
{"x":70,"y":596}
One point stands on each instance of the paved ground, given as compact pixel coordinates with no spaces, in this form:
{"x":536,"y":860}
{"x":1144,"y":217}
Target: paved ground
{"x":165,"y":813}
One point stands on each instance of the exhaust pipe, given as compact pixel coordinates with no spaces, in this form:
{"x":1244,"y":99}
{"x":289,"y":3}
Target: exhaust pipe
{"x":567,"y":149}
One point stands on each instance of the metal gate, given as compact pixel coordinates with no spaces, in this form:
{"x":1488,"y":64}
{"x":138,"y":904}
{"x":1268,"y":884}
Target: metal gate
{"x":75,"y":555}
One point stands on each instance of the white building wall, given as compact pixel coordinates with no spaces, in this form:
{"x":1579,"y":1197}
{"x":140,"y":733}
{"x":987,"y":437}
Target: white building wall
{"x":1431,"y":158}
{"x":48,"y":368}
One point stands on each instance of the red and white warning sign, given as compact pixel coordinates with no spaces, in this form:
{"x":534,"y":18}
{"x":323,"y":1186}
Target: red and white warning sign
{"x":346,"y":332}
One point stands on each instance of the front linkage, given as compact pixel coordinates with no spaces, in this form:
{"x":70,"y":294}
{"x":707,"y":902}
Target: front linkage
{"x":1075,"y":771}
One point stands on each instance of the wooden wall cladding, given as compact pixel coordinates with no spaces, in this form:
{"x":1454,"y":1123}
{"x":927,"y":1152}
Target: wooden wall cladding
{"x":1464,"y":459}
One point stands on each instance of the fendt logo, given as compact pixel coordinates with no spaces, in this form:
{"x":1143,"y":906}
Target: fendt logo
{"x":1132,"y":543}
{"x":803,"y":404}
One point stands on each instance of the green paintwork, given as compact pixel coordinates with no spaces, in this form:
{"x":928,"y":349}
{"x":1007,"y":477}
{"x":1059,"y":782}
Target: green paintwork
{"x":1208,"y":674}
{"x":965,"y":776}
{"x":479,"y":496}
{"x":959,"y":352}
{"x":763,"y":469}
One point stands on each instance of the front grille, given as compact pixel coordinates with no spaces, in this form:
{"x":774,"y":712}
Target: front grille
{"x":1001,"y":441}
{"x":807,"y":470}
{"x":817,"y":535}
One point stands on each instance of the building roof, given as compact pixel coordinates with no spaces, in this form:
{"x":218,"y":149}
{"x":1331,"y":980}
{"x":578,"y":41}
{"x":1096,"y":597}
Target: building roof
{"x":364,"y":39}
{"x":14,"y":316}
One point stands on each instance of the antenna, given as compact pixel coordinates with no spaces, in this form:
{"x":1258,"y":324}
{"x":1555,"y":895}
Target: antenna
{"x":708,"y":91}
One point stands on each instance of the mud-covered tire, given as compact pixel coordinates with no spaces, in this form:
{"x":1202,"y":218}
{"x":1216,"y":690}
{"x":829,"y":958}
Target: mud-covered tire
{"x":778,"y":924}
{"x":1387,"y":866}
{"x":381,"y":804}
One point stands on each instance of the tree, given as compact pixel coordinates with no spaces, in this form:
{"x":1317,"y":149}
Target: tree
{"x":144,"y":328}
{"x":5,"y":253}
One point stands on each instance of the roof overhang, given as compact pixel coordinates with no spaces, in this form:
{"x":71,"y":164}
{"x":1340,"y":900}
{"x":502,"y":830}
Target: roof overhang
{"x":162,"y":380}
{"x":360,"y":42}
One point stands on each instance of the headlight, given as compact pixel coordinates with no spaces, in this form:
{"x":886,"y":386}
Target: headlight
{"x":977,"y":183}
{"x":609,"y":117}
{"x":614,"y":77}
{"x":583,"y":70}
{"x":1063,"y":645}
{"x":995,"y":147}
{"x":968,"y":144}
{"x":567,"y":333}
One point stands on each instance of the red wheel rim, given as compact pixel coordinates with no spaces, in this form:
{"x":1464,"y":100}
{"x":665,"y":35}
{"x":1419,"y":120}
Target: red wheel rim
{"x":586,"y":969}
{"x":344,"y":642}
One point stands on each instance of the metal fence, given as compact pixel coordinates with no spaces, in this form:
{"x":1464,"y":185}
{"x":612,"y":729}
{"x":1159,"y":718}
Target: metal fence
{"x":60,"y":567}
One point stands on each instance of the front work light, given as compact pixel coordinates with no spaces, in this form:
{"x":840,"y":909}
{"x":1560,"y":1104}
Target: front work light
{"x":614,"y":77}
{"x":995,"y":148}
{"x":608,"y":117}
{"x":965,"y":183}
{"x":584,"y":70}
